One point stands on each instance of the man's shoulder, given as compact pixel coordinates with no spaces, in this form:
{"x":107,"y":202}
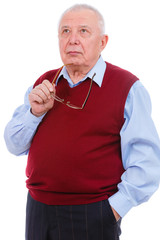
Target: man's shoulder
{"x":117,"y":71}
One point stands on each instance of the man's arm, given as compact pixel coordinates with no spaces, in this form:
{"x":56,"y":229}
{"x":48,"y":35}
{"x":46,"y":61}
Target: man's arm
{"x":20,"y":130}
{"x":140,"y":148}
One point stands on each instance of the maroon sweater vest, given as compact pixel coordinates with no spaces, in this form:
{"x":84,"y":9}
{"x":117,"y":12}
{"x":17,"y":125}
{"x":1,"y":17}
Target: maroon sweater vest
{"x":75,"y":155}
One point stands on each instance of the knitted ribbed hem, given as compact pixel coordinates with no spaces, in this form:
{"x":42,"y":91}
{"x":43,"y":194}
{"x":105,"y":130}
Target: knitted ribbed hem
{"x":51,"y":198}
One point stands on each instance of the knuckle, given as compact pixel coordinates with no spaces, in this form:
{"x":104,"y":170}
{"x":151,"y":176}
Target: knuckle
{"x":45,"y":82}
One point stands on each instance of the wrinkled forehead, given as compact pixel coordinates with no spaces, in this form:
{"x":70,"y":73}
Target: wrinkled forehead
{"x":79,"y":17}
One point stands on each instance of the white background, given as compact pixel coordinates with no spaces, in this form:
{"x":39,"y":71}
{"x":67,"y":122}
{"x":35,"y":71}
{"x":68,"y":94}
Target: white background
{"x":29,"y":47}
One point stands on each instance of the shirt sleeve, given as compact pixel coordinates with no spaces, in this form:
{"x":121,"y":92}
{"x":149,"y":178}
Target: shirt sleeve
{"x":140,"y":149}
{"x":20,"y":130}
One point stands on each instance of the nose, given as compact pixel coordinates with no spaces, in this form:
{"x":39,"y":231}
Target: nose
{"x":74,"y":38}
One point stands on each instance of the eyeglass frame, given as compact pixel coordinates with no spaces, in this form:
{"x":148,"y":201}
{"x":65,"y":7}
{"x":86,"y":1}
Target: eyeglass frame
{"x":68,"y":104}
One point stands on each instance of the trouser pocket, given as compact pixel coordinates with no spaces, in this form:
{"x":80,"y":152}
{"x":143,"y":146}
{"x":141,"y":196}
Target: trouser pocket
{"x":110,"y":220}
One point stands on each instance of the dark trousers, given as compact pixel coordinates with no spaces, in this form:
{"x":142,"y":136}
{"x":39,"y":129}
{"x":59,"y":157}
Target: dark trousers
{"x":93,"y":221}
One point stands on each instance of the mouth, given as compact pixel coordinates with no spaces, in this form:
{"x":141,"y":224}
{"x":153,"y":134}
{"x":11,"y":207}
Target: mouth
{"x":73,"y":53}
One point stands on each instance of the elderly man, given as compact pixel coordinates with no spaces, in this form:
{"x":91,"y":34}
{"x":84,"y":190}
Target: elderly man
{"x":93,"y":151}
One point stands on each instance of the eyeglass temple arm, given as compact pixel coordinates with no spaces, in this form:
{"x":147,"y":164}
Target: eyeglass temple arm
{"x":55,"y":78}
{"x":89,"y":90}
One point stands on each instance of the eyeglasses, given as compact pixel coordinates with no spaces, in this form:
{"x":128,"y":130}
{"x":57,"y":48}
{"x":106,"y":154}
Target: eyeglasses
{"x":68,"y":104}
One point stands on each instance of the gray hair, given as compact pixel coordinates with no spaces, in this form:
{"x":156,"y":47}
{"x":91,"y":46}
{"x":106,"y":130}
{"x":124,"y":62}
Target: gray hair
{"x":78,"y":7}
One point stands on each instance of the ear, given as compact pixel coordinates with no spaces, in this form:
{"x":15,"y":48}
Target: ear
{"x":104,"y":42}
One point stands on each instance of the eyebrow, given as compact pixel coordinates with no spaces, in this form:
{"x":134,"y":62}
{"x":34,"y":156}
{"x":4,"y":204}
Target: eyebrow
{"x":64,"y":27}
{"x":83,"y":26}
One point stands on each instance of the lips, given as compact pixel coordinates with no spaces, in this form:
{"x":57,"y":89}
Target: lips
{"x":74,"y":53}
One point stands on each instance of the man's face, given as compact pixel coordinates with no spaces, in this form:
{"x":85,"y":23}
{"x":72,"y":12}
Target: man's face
{"x":80,"y":39}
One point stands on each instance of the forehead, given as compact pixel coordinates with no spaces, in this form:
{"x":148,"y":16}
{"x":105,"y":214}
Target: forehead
{"x":80,"y":17}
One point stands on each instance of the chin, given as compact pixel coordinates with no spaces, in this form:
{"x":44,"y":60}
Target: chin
{"x":76,"y":63}
{"x":73,"y":61}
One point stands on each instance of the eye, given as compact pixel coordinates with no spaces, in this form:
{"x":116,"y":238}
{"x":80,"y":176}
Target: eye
{"x":83,"y":30}
{"x":66,"y":30}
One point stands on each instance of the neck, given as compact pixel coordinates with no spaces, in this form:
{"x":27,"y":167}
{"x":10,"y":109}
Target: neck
{"x":78,"y":72}
{"x":75,"y":73}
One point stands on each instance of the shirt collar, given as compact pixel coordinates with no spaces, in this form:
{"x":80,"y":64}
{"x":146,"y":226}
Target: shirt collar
{"x":99,"y":68}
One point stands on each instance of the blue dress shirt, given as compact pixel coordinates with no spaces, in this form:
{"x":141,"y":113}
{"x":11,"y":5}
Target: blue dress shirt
{"x":140,"y":145}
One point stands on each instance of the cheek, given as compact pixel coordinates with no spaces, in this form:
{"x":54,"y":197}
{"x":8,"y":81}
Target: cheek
{"x":92,"y":51}
{"x":62,"y":47}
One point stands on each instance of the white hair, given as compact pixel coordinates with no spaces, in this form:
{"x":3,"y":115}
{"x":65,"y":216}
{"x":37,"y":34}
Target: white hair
{"x":78,"y":7}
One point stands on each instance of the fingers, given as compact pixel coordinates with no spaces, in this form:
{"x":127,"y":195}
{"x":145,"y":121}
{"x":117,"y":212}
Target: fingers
{"x":42,"y":92}
{"x":40,"y":98}
{"x":49,"y":86}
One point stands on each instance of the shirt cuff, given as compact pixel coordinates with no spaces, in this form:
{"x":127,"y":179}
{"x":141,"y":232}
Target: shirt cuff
{"x":120,"y":203}
{"x":32,"y":121}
